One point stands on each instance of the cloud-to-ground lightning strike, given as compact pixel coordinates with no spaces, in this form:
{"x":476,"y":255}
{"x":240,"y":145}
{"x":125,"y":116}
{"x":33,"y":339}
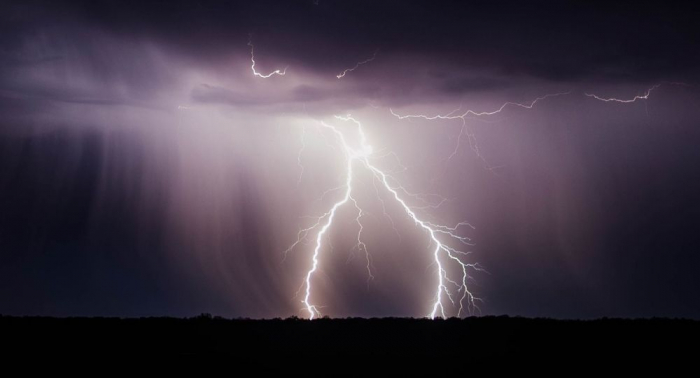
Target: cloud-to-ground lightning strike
{"x":356,"y":66}
{"x":443,"y":253}
{"x":252,"y":64}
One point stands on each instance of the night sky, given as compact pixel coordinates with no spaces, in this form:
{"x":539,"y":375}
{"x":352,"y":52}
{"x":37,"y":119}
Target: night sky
{"x":145,"y":170}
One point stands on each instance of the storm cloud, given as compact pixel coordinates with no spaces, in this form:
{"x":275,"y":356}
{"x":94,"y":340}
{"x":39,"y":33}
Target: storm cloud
{"x":145,"y":171}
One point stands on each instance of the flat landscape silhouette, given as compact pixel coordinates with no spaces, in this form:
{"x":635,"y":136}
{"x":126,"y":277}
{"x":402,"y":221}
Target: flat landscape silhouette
{"x":414,"y":341}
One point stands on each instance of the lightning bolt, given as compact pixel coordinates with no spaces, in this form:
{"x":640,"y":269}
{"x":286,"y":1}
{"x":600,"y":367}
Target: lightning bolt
{"x":440,"y":236}
{"x":644,"y":96}
{"x":357,"y":65}
{"x":252,"y":65}
{"x":462,"y":117}
{"x":528,"y":105}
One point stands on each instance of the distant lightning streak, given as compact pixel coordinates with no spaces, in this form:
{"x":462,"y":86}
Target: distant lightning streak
{"x":443,"y":254}
{"x":471,"y":113}
{"x":645,"y":96}
{"x":342,"y":74}
{"x":361,"y":246}
{"x":451,"y":115}
{"x":252,"y":65}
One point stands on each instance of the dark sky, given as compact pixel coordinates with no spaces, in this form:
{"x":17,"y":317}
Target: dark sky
{"x":144,"y":169}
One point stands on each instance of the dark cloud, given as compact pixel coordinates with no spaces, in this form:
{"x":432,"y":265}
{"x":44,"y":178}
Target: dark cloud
{"x":473,"y":84}
{"x":302,"y":94}
{"x":212,"y":94}
{"x":573,"y":41}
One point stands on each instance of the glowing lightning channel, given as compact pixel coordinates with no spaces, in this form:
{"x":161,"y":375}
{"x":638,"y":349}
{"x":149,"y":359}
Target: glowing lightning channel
{"x":342,"y":74}
{"x":451,"y":115}
{"x":252,"y":65}
{"x":350,"y":156}
{"x":465,"y":115}
{"x":442,"y":254}
{"x":645,"y":96}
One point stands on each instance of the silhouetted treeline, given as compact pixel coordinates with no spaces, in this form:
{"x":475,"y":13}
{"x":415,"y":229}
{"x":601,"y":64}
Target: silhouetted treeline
{"x":407,"y":342}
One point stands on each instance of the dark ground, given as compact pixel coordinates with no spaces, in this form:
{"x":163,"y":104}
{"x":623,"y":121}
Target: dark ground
{"x":404,"y":343}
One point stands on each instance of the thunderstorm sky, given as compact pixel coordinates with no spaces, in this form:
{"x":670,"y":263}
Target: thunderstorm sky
{"x":145,"y":169}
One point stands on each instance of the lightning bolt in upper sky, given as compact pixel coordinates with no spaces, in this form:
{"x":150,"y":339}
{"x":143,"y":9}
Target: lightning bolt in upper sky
{"x":356,"y":66}
{"x":465,"y":115}
{"x":644,"y":96}
{"x":252,"y":64}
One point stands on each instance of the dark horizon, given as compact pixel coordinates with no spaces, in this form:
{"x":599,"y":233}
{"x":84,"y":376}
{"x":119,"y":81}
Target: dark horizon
{"x":145,"y":170}
{"x":395,"y":344}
